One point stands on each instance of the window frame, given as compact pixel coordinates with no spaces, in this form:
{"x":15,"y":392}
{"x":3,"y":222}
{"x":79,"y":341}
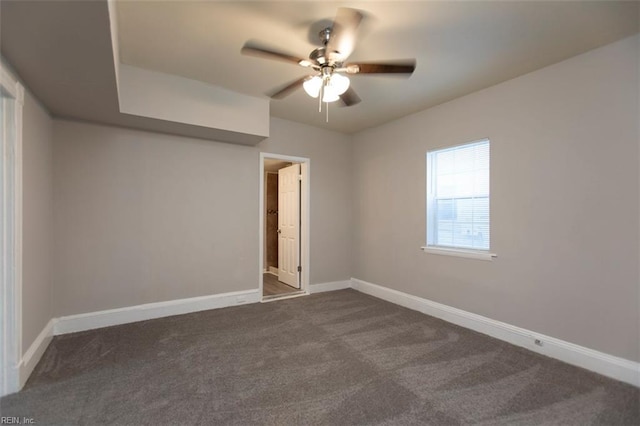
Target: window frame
{"x":431,"y":246}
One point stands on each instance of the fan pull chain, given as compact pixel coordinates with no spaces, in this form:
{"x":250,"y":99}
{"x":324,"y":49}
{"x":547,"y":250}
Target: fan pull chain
{"x":320,"y":97}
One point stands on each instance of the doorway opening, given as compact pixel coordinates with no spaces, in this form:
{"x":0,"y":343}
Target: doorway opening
{"x":284,"y":226}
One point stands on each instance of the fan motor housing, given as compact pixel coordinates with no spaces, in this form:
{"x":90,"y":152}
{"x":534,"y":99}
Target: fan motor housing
{"x":319,"y":56}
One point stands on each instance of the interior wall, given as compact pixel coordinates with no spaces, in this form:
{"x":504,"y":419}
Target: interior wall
{"x":564,"y":202}
{"x":331,"y":164}
{"x":143,"y":217}
{"x":37,"y":210}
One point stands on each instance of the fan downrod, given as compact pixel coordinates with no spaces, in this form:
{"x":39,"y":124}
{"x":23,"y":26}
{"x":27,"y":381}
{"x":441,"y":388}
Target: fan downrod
{"x":325,"y":35}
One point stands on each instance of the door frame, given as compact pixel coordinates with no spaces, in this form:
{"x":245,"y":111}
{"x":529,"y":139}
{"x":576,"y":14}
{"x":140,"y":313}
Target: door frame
{"x":305,"y":219}
{"x":10,"y":232}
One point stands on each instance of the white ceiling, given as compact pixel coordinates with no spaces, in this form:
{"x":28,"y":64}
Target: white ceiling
{"x":460,"y":47}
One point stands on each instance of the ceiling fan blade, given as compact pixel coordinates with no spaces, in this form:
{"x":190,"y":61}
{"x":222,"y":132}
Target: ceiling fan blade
{"x":396,"y":67}
{"x":252,"y":48}
{"x":343,"y":34}
{"x":350,"y":97}
{"x":287,"y":89}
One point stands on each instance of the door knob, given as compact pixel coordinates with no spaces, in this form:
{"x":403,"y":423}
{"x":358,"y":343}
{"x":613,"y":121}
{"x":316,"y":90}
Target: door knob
{"x":279,"y":231}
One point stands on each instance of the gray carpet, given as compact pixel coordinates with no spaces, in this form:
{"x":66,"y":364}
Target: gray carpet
{"x":337,"y":358}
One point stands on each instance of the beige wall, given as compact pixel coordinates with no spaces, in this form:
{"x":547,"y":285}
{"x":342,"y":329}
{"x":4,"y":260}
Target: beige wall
{"x":37,"y":219}
{"x":331,"y":197}
{"x":564,"y":202}
{"x":144,"y":217}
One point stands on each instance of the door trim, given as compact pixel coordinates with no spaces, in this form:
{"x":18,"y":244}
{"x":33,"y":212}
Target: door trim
{"x":305,"y":220}
{"x":10,"y":232}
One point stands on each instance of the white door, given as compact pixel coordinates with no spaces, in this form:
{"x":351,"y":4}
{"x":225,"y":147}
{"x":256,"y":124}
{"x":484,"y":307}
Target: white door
{"x":289,"y":225}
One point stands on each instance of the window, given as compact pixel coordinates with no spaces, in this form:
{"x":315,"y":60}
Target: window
{"x":458,"y":198}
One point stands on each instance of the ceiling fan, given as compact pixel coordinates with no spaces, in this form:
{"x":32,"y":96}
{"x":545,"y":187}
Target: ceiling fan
{"x":328,"y":82}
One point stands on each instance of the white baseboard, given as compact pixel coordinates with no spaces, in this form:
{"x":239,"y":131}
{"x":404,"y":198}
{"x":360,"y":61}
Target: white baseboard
{"x":330,"y":286}
{"x":599,"y":362}
{"x":129,"y":314}
{"x":91,"y":320}
{"x":590,"y":359}
{"x":34,"y":353}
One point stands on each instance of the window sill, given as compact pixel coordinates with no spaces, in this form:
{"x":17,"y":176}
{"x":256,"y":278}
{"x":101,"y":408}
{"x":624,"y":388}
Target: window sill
{"x":470,"y":254}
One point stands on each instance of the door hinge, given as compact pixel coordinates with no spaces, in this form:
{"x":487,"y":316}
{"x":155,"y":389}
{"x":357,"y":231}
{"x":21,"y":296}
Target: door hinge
{"x":299,"y":268}
{"x":299,"y":177}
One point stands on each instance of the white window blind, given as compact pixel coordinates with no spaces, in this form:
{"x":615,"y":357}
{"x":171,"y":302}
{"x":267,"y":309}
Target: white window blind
{"x":458,"y":197}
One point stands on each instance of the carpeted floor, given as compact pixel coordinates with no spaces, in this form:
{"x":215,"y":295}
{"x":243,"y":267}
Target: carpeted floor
{"x":337,"y":358}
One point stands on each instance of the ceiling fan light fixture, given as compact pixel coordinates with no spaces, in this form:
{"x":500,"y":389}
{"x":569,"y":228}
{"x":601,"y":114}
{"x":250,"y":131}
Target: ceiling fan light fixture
{"x":329,"y":62}
{"x":312,"y":86}
{"x":335,"y":86}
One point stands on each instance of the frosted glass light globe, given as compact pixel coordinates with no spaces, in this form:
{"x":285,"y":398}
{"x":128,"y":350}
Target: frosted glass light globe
{"x":312,"y":86}
{"x":340,"y":83}
{"x":330,"y":94}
